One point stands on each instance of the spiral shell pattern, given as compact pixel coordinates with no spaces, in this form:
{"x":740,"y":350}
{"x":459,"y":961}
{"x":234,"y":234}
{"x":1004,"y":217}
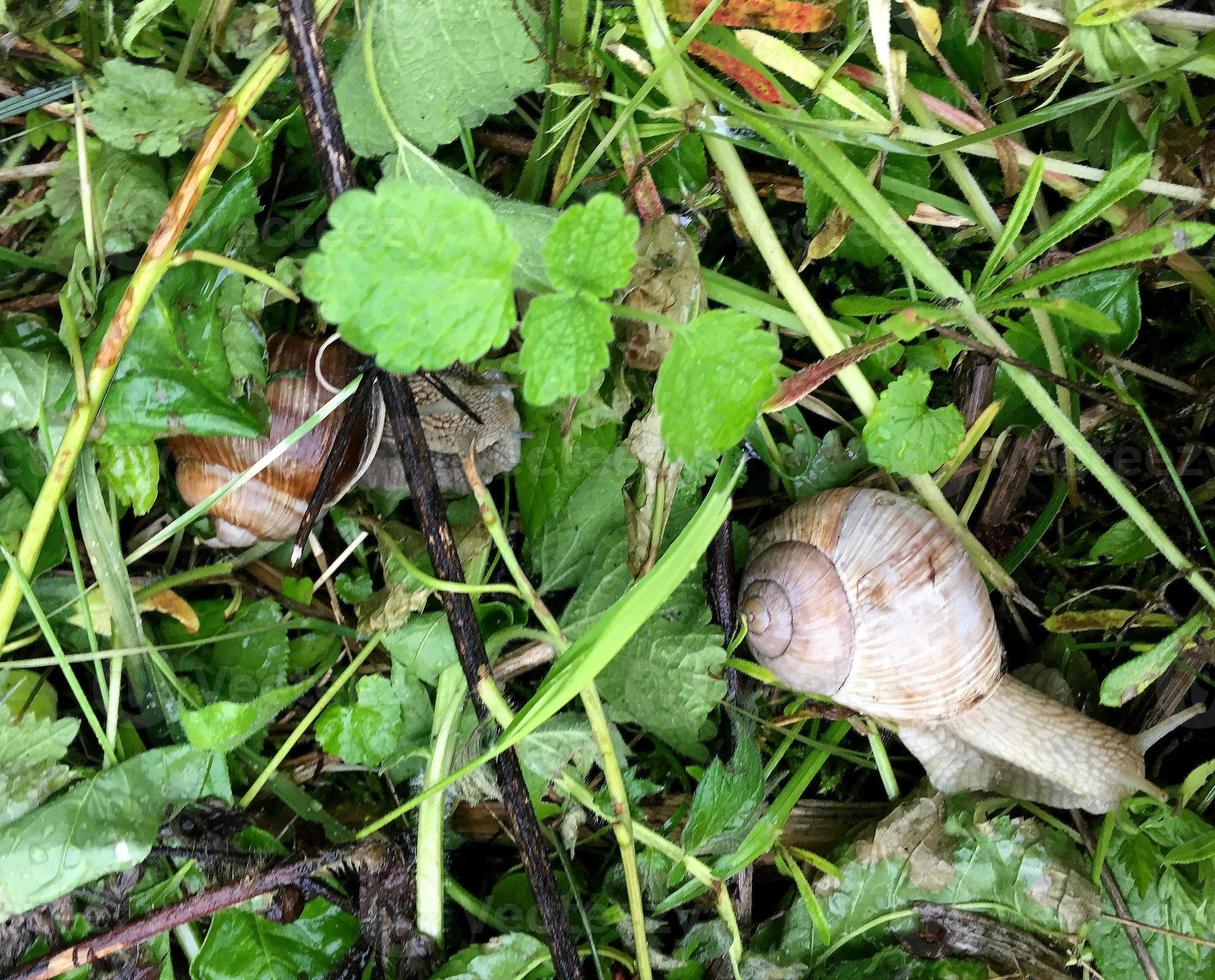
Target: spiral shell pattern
{"x":900,"y":627}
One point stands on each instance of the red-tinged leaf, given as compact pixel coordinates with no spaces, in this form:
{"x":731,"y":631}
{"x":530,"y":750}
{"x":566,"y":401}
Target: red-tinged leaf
{"x":796,"y":388}
{"x":749,"y":78}
{"x":774,"y":15}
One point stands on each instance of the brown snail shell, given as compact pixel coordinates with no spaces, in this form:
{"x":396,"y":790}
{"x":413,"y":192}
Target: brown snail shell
{"x":271,"y":505}
{"x":865,"y":597}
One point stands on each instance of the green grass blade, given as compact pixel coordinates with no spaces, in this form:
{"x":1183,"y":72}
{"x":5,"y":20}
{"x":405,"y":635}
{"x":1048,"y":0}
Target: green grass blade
{"x":1111,"y":189}
{"x":1016,"y":221}
{"x":1155,"y":243}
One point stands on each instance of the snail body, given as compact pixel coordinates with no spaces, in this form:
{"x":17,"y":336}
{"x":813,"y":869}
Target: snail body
{"x":865,"y":597}
{"x":303,"y":375}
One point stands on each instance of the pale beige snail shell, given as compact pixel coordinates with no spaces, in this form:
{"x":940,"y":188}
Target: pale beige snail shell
{"x":303,"y":375}
{"x":865,"y":597}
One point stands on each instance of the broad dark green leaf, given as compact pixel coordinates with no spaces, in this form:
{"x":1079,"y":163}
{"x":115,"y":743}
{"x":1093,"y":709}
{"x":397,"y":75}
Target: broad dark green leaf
{"x":725,"y":801}
{"x":242,"y":944}
{"x":425,"y":68}
{"x":552,"y":466}
{"x":101,"y":825}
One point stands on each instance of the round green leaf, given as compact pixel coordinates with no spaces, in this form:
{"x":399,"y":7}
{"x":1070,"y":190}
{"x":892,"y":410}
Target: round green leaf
{"x":565,"y":345}
{"x":904,"y":435}
{"x":719,"y":372}
{"x":418,"y":276}
{"x":591,"y":247}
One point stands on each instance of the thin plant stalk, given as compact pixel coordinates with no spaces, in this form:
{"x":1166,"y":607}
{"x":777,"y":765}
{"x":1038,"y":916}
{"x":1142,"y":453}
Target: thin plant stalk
{"x":889,"y":782}
{"x":673,"y":852}
{"x":584,"y":797}
{"x":622,"y":821}
{"x":449,"y":706}
{"x":152,"y":266}
{"x":307,"y":721}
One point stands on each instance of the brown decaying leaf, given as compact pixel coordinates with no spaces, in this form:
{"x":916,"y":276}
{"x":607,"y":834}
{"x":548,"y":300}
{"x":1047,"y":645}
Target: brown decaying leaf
{"x":171,"y":604}
{"x":796,"y":388}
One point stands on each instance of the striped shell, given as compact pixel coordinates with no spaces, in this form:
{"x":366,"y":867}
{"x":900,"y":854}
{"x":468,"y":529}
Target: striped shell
{"x":865,"y":597}
{"x":271,"y":505}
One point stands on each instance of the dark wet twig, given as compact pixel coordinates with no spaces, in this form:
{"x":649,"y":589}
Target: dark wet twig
{"x":333,"y":155}
{"x":1133,"y":935}
{"x":315,"y":92}
{"x":521,"y":817}
{"x":720,"y":591}
{"x":201,"y":905}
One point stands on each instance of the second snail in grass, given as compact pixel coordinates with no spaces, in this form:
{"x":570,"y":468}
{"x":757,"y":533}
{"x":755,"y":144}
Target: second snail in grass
{"x":303,"y":374}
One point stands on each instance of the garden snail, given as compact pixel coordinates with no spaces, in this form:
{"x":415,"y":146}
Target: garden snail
{"x":270,"y":506}
{"x":865,"y":597}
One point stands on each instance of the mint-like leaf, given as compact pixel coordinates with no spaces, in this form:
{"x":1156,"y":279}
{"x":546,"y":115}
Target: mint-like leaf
{"x":720,"y":370}
{"x":591,"y":247}
{"x":904,"y":435}
{"x":137,"y":107}
{"x":565,"y":345}
{"x":129,"y":193}
{"x":30,"y":755}
{"x":418,"y":276}
{"x":367,"y":733}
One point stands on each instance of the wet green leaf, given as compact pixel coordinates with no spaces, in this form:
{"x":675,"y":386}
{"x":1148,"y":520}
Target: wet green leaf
{"x":1132,"y":678}
{"x":591,"y":247}
{"x":30,"y":754}
{"x":102,"y":824}
{"x":720,"y":370}
{"x":904,"y":435}
{"x":138,"y":107}
{"x":426,"y":69}
{"x":418,"y":276}
{"x":243,"y":944}
{"x":565,"y":345}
